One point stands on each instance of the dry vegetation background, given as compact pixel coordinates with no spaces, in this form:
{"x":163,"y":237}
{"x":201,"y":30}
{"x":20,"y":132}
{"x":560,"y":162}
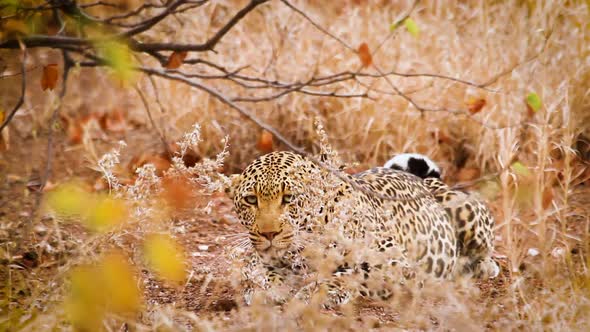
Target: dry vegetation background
{"x":506,"y":49}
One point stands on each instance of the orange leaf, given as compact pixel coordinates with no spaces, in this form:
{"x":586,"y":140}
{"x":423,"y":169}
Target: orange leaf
{"x":475,"y":105}
{"x":365,"y":55}
{"x":265,"y":142}
{"x":175,"y":60}
{"x":178,"y":193}
{"x":547,"y":197}
{"x":49,"y":78}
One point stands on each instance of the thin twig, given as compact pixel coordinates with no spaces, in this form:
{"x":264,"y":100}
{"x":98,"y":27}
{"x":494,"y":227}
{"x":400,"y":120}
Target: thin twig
{"x":208,"y":45}
{"x":318,"y":26}
{"x":68,"y":63}
{"x":149,"y":113}
{"x":19,"y":73}
{"x":21,"y":99}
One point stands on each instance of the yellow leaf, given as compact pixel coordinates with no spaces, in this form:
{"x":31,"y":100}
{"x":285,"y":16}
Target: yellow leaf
{"x":84,"y":303}
{"x":520,"y":169}
{"x":109,"y":286}
{"x":117,"y":56}
{"x":106,"y":213}
{"x":98,"y":213}
{"x":120,"y":285}
{"x":70,"y":200}
{"x":14,"y":27}
{"x":412,"y":27}
{"x":165,"y":257}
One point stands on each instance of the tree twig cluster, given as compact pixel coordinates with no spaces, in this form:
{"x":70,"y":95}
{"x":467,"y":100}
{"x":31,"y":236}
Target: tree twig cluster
{"x":79,"y":49}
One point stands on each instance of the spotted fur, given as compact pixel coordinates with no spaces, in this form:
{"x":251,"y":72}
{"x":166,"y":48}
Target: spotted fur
{"x":472,"y":219}
{"x":410,"y":227}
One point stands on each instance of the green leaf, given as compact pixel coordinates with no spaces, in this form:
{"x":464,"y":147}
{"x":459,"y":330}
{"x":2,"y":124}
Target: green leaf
{"x":117,"y":56}
{"x":412,"y":27}
{"x":534,"y":101}
{"x":520,"y":169}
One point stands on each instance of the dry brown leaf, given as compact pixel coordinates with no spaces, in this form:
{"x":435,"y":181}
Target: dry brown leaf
{"x":365,"y":55}
{"x":467,"y":174}
{"x":475,"y":105}
{"x":49,"y":78}
{"x":443,"y":137}
{"x":175,"y":60}
{"x":265,"y":143}
{"x":114,"y":121}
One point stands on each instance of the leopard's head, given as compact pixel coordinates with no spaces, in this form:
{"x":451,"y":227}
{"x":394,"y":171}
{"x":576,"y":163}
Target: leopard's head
{"x":268,"y":196}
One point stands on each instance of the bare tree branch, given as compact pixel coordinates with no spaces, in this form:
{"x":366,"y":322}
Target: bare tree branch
{"x":217,"y":95}
{"x":208,"y":45}
{"x":149,"y":113}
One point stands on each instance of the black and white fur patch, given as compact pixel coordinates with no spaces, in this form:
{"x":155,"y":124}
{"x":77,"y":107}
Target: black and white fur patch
{"x":414,"y":163}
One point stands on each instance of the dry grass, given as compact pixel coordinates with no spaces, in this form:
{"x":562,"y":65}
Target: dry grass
{"x":540,"y":47}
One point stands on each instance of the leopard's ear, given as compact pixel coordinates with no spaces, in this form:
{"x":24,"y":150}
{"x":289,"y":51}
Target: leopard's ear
{"x":232,"y":185}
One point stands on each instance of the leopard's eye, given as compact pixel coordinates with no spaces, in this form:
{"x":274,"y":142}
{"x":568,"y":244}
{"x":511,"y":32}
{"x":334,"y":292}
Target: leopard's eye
{"x":287,"y":199}
{"x":251,"y":199}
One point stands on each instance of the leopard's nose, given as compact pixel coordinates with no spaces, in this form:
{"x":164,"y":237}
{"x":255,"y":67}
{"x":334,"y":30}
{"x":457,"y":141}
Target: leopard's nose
{"x":269,"y":235}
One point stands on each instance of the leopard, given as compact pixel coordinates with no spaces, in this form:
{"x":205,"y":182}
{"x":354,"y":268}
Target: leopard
{"x":472,"y":219}
{"x":392,"y":213}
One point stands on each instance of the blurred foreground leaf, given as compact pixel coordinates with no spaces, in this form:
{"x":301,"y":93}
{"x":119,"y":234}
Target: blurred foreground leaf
{"x":117,"y":56}
{"x":98,"y":212}
{"x":70,"y":200}
{"x":106,"y":213}
{"x":165,"y":257}
{"x":95,"y":290}
{"x":120,"y":284}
